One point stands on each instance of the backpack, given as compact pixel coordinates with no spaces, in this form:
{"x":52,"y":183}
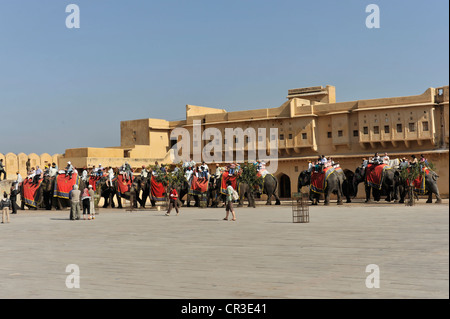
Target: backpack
{"x":235,"y":195}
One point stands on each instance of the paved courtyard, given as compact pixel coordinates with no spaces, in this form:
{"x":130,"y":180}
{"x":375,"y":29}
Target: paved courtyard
{"x":263,"y":254}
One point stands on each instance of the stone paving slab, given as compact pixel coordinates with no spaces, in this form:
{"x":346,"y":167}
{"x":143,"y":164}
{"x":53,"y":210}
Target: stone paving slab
{"x":145,"y":254}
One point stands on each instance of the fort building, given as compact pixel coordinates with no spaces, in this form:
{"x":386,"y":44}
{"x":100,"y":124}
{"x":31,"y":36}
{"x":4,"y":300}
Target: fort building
{"x":310,"y":123}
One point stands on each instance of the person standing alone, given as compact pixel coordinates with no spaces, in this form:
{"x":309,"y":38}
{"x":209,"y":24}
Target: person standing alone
{"x":75,"y":196}
{"x":173,"y":201}
{"x":5,"y":205}
{"x":2,"y":170}
{"x":229,"y":202}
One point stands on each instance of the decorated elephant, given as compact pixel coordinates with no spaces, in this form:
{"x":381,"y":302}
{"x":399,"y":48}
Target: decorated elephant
{"x":380,"y":179}
{"x":327,"y":182}
{"x":424,"y":184}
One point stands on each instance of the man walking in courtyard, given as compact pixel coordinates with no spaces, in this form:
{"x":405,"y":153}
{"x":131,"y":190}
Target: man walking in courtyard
{"x":229,"y":202}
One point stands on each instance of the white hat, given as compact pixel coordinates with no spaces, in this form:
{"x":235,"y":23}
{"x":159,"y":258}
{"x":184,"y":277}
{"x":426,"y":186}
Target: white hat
{"x":69,"y":163}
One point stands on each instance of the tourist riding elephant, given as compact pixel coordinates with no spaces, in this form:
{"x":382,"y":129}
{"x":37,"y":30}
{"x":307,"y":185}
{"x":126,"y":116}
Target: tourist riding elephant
{"x":333,"y":186}
{"x":388,"y":186}
{"x":430,"y":187}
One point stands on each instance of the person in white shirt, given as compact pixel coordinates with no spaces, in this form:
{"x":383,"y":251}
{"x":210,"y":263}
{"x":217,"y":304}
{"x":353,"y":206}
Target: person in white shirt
{"x":110,"y":176}
{"x":53,"y":171}
{"x":144,"y":172}
{"x":19,"y":180}
{"x":84,"y":175}
{"x":31,"y":174}
{"x":386,"y":159}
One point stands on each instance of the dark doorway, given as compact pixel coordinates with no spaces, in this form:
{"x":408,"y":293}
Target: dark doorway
{"x":285,"y":186}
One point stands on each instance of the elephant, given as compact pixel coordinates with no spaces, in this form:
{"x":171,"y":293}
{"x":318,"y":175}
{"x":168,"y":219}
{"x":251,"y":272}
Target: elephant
{"x":269,"y":188}
{"x":245,"y":191}
{"x":131,"y":193}
{"x":430,"y":187}
{"x":39,"y":198}
{"x":47,"y":191}
{"x":60,"y":203}
{"x":183,"y":190}
{"x":143,"y":185}
{"x":388,"y":186}
{"x":108,"y":192}
{"x":214,"y":195}
{"x":348,"y":189}
{"x":334,"y":186}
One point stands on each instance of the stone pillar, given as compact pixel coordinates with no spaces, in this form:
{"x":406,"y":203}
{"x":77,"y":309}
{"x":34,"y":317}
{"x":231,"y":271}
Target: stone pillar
{"x":46,"y":159}
{"x":22,"y":159}
{"x":12,"y":165}
{"x":35,"y":160}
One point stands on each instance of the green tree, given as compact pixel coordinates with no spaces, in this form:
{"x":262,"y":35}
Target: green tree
{"x":249,"y":175}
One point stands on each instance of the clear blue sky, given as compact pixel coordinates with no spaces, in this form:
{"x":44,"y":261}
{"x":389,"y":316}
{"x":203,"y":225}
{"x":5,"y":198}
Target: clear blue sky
{"x":64,"y":88}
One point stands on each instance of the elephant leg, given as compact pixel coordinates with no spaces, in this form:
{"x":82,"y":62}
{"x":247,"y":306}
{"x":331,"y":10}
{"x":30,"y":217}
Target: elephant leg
{"x":241,"y":199}
{"x":438,"y":198}
{"x":277,"y":199}
{"x":269,"y":200}
{"x":119,"y":202}
{"x":326,"y":201}
{"x":430,"y":197}
{"x":251,"y":201}
{"x":367,"y":188}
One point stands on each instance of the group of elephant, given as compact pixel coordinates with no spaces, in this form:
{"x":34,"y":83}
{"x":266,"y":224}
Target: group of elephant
{"x":140,"y":192}
{"x":344,"y":183}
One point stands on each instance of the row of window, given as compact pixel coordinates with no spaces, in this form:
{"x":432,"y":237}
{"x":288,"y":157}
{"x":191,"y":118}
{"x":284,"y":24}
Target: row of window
{"x":387,"y":129}
{"x":376,"y":130}
{"x":411,"y":127}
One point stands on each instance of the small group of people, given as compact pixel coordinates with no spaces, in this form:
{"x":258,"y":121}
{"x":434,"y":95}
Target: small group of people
{"x":82,"y":200}
{"x":174,"y":204}
{"x":403,"y":162}
{"x":422,"y":162}
{"x":192,"y":169}
{"x":321,"y":163}
{"x":376,"y":160}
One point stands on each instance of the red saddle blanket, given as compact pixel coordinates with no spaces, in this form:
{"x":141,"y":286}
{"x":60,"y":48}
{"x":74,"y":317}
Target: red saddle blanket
{"x":123,"y":185}
{"x":93,"y":180}
{"x":374,"y":174}
{"x":30,"y":192}
{"x":319,"y":179}
{"x":157,"y":190}
{"x":419,"y":182}
{"x":198,"y":186}
{"x":64,"y":184}
{"x":225,"y":179}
